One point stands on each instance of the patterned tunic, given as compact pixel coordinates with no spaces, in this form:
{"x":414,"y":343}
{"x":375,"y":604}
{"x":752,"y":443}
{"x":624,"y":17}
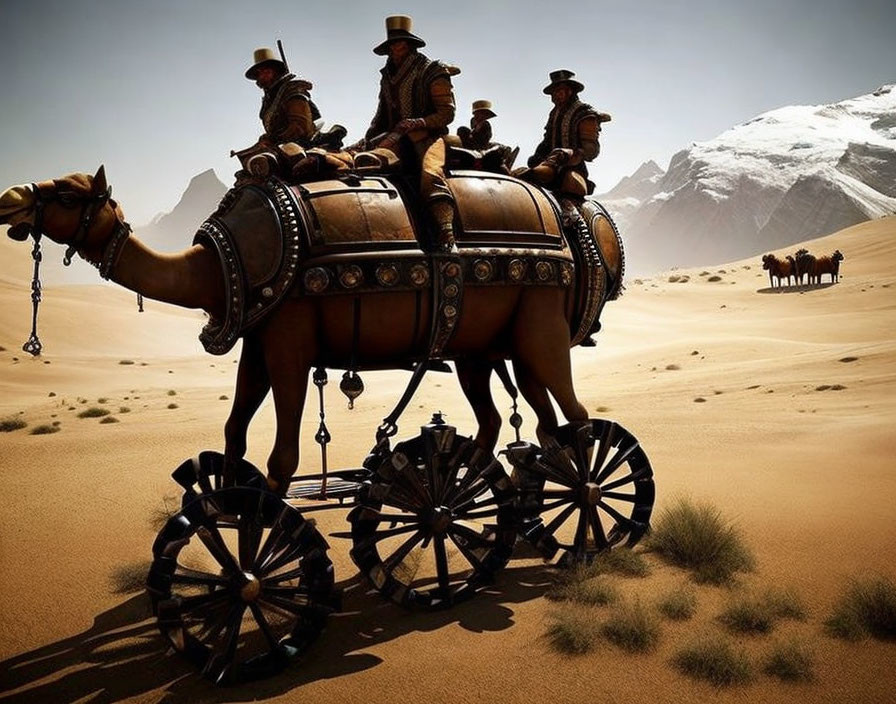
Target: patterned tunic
{"x":287,"y":111}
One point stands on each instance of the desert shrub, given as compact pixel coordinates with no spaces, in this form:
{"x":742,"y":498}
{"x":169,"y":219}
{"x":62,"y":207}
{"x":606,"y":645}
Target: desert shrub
{"x":679,"y":605}
{"x":697,"y":537}
{"x":714,"y":278}
{"x":573,"y":631}
{"x":632,"y":627}
{"x":588,"y":592}
{"x":785,"y":603}
{"x":109,"y":419}
{"x":126,"y":361}
{"x":620,"y":561}
{"x":124,"y":409}
{"x":747,"y":615}
{"x":102,"y":399}
{"x":791,"y":661}
{"x":93,"y":412}
{"x":867,"y":607}
{"x":10,"y":423}
{"x":172,"y":405}
{"x":45,"y":429}
{"x":715,"y":661}
{"x":172,"y":392}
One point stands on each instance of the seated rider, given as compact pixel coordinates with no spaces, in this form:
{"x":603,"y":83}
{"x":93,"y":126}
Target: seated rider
{"x":571,"y":137}
{"x":416,"y":105}
{"x":479,"y":134}
{"x":287,"y":111}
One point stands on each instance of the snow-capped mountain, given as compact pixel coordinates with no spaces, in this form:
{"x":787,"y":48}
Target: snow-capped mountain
{"x":785,"y":176}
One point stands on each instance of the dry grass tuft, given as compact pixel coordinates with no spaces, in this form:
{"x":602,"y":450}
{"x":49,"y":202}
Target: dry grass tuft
{"x":697,"y":537}
{"x":679,"y":605}
{"x":573,"y":631}
{"x":791,"y":661}
{"x":588,"y":592}
{"x":94,"y":412}
{"x":172,"y":392}
{"x":173,"y":405}
{"x":867,"y":607}
{"x":621,"y":561}
{"x":715,"y":661}
{"x":633,"y":628}
{"x":45,"y":429}
{"x":753,"y":614}
{"x":126,"y":361}
{"x":10,"y":423}
{"x":110,"y":419}
{"x":159,"y":515}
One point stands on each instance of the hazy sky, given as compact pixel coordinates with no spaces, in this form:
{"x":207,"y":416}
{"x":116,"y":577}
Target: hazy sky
{"x":155,"y":89}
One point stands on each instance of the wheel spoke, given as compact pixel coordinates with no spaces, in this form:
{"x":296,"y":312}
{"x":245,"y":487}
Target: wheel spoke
{"x":559,"y":519}
{"x":555,"y":464}
{"x":288,"y":554}
{"x":276,"y":536}
{"x":600,"y":538}
{"x":582,"y":442}
{"x":232,"y":634}
{"x":627,"y":479}
{"x":468,"y":554}
{"x":389,"y":533}
{"x":396,"y":558}
{"x":607,"y":438}
{"x":295,"y":573}
{"x":285,"y":605}
{"x":558,"y":494}
{"x":217,"y":548}
{"x":185,"y":575}
{"x":480,"y":514}
{"x":626,"y":523}
{"x":631,"y":498}
{"x":264,"y":626}
{"x":250,"y":533}
{"x":581,"y":537}
{"x":475,"y":489}
{"x":408,"y":477}
{"x":203,"y":601}
{"x":621,"y":456}
{"x":441,"y":555}
{"x":453,"y":493}
{"x":470,"y":535}
{"x":288,"y":592}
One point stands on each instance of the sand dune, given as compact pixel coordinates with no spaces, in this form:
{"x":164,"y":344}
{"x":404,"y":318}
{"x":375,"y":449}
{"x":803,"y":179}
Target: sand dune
{"x":793,"y":439}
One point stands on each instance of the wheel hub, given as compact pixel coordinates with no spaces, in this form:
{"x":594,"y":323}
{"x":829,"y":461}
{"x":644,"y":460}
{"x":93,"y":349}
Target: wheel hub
{"x":251,"y":588}
{"x":441,"y":519}
{"x":591,"y":493}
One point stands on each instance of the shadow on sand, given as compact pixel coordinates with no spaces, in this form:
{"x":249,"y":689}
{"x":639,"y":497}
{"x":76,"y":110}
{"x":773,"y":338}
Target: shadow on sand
{"x":797,"y":288}
{"x":123,"y":655}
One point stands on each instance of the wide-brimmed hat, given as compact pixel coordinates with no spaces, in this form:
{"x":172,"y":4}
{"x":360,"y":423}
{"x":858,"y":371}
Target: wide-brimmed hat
{"x":563,"y":76}
{"x":261,"y":57}
{"x":483,"y":106}
{"x":398,"y":27}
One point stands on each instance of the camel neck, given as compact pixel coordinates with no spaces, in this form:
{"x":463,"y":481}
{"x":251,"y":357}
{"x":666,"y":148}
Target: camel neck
{"x":191,"y":278}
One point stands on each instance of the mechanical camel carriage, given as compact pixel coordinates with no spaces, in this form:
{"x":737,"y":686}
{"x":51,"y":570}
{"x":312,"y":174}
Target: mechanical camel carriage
{"x":338,"y":274}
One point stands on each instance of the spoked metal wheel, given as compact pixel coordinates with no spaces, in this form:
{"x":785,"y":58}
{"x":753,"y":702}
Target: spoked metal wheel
{"x":436,"y":521}
{"x":589,"y":491}
{"x":241,"y":583}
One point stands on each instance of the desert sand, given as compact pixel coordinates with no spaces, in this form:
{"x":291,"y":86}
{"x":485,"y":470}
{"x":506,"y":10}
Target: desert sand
{"x":807,"y":475}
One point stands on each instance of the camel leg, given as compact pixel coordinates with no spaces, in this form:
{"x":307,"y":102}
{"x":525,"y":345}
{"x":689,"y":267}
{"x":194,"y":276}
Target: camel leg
{"x":541,"y":341}
{"x":288,"y":365}
{"x":252,"y":385}
{"x":474,"y":376}
{"x":536,"y":396}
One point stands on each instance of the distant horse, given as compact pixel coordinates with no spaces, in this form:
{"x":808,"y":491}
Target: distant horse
{"x":827,"y":265}
{"x":778,"y":268}
{"x":805,"y":265}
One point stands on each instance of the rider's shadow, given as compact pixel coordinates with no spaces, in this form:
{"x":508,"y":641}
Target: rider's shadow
{"x":122,"y":654}
{"x":797,"y":288}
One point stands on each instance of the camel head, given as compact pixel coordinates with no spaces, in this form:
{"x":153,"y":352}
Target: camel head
{"x":837,"y":256}
{"x":767,"y":260}
{"x":75,"y":211}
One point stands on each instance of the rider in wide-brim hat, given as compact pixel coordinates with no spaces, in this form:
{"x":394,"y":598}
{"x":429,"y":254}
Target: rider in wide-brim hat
{"x":264,"y":57}
{"x":483,"y":108}
{"x":562,"y":77}
{"x":398,"y":28}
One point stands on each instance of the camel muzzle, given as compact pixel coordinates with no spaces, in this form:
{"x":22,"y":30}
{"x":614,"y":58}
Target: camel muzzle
{"x":19,"y":232}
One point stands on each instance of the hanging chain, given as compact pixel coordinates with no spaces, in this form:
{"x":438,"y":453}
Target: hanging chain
{"x":323,"y":435}
{"x":33,"y":346}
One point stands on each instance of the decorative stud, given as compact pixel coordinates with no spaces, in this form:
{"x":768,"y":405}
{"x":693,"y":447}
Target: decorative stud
{"x":482,"y":269}
{"x":316,"y":279}
{"x":351,"y":276}
{"x":419,"y":275}
{"x":544,"y":270}
{"x":387,"y":274}
{"x":516,"y":270}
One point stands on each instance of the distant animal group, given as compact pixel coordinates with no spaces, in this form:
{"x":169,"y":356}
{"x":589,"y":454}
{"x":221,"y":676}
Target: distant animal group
{"x":802,"y":264}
